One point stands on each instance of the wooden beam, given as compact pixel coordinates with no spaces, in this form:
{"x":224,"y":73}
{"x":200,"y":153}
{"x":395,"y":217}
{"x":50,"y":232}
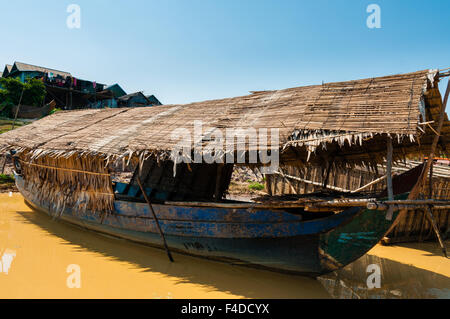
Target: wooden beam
{"x":316,"y":209}
{"x":390,"y":152}
{"x":408,"y":204}
{"x":379,"y":180}
{"x":315,"y":183}
{"x":407,"y":207}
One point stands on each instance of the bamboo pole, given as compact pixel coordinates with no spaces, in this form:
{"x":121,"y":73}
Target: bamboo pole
{"x":431,"y":182}
{"x":220,"y":168}
{"x":287,"y":180}
{"x":370,"y":184}
{"x":156,"y":219}
{"x":315,"y":183}
{"x":390,"y":151}
{"x":407,"y":205}
{"x":18,"y":108}
{"x":436,"y":138}
{"x":13,"y":126}
{"x":436,"y":230}
{"x":418,"y":188}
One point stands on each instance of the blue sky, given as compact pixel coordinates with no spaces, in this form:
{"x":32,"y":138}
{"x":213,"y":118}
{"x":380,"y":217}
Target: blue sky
{"x":193,"y":50}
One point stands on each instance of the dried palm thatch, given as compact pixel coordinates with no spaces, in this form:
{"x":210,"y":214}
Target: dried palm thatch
{"x":83,"y":183}
{"x":347,"y":119}
{"x":345,"y":123}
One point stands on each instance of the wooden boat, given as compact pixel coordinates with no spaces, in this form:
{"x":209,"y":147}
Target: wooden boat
{"x":244,"y":233}
{"x":69,"y":160}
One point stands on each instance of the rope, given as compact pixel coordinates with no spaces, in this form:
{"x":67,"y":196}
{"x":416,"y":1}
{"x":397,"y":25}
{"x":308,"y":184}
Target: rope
{"x":65,"y":169}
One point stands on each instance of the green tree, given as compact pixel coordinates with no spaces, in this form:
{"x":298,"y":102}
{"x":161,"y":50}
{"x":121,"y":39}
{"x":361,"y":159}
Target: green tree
{"x":11,"y":90}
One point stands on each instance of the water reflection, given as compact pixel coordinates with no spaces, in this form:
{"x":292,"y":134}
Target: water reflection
{"x":398,"y":279}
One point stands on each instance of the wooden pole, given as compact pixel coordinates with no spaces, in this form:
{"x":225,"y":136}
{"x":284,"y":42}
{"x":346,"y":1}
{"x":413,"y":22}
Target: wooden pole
{"x":390,"y":152}
{"x":156,"y":219}
{"x":431,"y":182}
{"x":18,"y":108}
{"x":436,"y":230}
{"x":418,"y":188}
{"x":430,"y":162}
{"x":287,"y":180}
{"x":220,"y":168}
{"x":313,"y":183}
{"x":327,"y":176}
{"x":378,"y":180}
{"x":399,"y":205}
{"x":436,"y":138}
{"x":13,"y":126}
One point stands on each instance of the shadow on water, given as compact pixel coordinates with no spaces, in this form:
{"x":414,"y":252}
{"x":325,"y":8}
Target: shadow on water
{"x":397,"y":281}
{"x":237,"y":280}
{"x":431,"y":250}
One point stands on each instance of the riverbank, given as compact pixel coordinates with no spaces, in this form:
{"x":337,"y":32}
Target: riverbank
{"x":6,"y":124}
{"x":7,"y":183}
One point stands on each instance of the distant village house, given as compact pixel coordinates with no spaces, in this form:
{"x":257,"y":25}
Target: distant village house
{"x":70,"y":92}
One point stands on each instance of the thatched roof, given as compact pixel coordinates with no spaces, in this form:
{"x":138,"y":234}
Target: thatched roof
{"x":345,"y":121}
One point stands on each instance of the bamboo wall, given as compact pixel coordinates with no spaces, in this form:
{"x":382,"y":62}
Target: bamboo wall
{"x":414,"y":227}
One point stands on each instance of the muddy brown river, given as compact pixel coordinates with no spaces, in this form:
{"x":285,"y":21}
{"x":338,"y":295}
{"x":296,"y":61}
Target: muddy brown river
{"x":45,"y":258}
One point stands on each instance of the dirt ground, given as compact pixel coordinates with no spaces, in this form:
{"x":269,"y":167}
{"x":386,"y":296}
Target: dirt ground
{"x":8,"y":186}
{"x":242,"y":180}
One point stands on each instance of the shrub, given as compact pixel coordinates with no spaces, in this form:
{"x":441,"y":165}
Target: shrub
{"x":256,"y":186}
{"x":6,"y":179}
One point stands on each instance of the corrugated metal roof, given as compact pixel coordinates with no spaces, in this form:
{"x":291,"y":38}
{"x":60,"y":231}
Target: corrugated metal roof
{"x":24,"y":67}
{"x":7,"y":69}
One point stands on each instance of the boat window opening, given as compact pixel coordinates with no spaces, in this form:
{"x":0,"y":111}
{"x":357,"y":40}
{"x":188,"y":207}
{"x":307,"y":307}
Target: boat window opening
{"x":193,"y":182}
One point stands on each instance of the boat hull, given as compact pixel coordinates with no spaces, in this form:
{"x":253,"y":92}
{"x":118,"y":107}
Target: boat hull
{"x":273,"y":240}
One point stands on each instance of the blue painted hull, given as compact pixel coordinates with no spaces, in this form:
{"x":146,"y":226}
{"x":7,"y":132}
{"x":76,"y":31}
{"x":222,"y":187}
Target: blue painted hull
{"x":269,"y":239}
